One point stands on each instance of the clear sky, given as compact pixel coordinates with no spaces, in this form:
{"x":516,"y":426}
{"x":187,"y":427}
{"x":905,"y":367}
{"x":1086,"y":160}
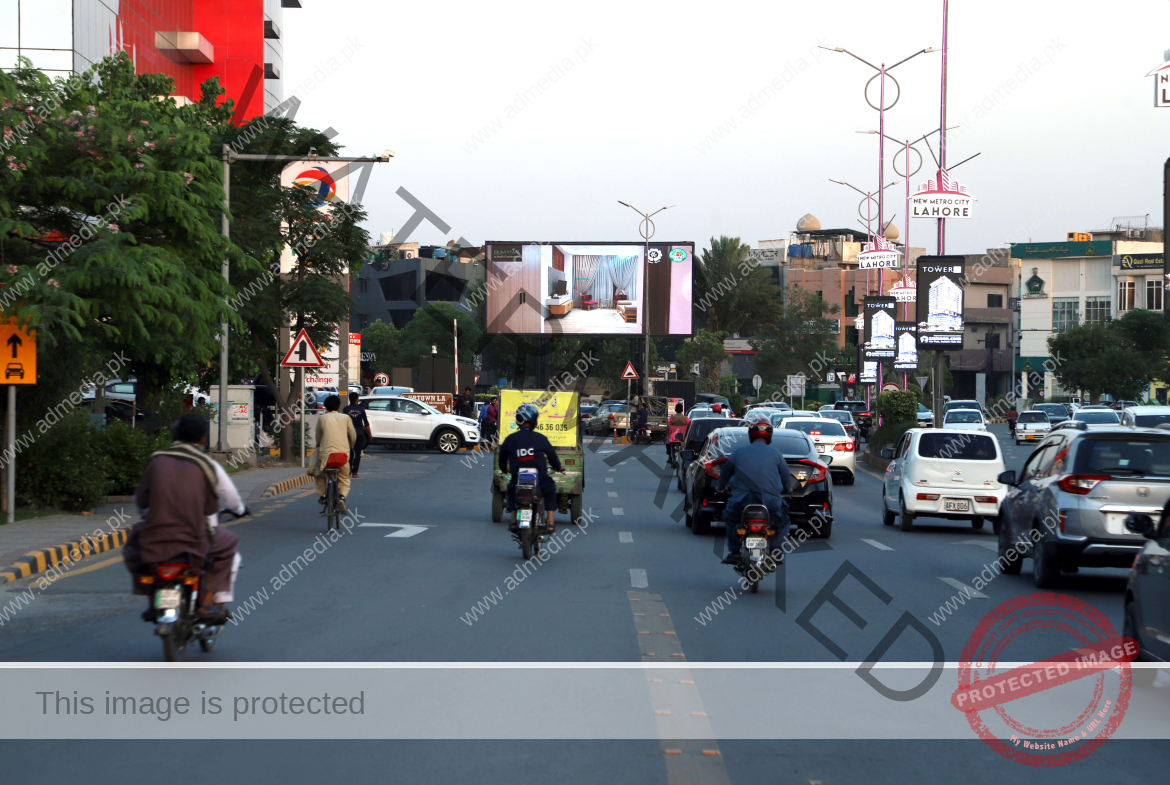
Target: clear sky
{"x":731,"y":112}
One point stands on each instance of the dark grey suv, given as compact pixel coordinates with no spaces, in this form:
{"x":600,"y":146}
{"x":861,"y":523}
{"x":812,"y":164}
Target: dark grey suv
{"x":1068,"y":505}
{"x":1147,"y":597}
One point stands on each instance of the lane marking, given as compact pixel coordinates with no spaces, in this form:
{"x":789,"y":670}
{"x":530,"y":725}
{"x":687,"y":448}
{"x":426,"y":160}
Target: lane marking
{"x":618,"y":511}
{"x":625,"y":536}
{"x":991,"y":546}
{"x":609,"y":479}
{"x":613,"y":468}
{"x":612,"y":495}
{"x":638,"y":579}
{"x":964,"y":588}
{"x":878,"y":545}
{"x":404,"y":529}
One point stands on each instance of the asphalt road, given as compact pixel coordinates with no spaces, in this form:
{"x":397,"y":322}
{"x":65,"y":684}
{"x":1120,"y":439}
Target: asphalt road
{"x":415,"y":581}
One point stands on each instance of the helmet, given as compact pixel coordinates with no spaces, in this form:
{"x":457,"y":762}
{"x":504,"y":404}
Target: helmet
{"x":717,"y":407}
{"x":760,"y":430}
{"x":527,"y":413}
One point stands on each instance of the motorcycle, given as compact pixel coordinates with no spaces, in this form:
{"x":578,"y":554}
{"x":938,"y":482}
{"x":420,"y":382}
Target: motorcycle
{"x":673,"y":449}
{"x":531,"y":518}
{"x":641,"y":436}
{"x":175,"y":587}
{"x":754,"y":561}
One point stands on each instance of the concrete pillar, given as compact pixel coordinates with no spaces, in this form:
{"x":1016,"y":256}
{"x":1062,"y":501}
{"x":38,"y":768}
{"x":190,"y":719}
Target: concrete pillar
{"x":981,"y":388}
{"x":1048,"y":381}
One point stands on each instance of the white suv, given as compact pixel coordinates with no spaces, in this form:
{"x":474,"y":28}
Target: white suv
{"x":397,"y":420}
{"x":943,"y":474}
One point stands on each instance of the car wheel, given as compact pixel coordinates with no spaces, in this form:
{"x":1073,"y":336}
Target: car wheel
{"x":701,"y":523}
{"x":907,"y":518}
{"x":977,"y":523}
{"x":847,"y":479}
{"x":1009,"y":566}
{"x":448,"y":442}
{"x":1142,"y":677}
{"x":887,"y":513}
{"x":825,"y":531}
{"x":1045,"y":566}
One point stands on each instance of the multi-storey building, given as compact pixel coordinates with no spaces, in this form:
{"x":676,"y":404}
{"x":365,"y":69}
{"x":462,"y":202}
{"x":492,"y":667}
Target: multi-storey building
{"x":191,"y":41}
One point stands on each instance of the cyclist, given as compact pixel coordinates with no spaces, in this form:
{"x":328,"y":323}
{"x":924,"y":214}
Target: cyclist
{"x":335,"y":436}
{"x":757,"y":474}
{"x":527,"y":449}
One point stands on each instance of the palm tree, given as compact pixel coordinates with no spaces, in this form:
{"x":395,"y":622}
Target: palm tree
{"x":732,"y":294}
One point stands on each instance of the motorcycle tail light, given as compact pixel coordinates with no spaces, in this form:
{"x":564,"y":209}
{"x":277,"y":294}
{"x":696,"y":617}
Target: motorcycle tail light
{"x":928,"y":497}
{"x":712,"y":468}
{"x":771,"y":532}
{"x":985,"y":499}
{"x":756,"y":528}
{"x":816,"y":472}
{"x":1080,"y":484}
{"x":168,"y":572}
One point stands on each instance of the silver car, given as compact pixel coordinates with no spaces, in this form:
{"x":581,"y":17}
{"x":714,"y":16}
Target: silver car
{"x":833,"y":445}
{"x":1068,"y":505}
{"x":1146,"y":416}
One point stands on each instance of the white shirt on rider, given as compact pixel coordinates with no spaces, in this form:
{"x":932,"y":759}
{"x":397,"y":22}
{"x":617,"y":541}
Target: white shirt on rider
{"x":229,"y":497}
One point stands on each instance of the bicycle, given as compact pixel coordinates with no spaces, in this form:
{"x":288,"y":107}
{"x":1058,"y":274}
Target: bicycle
{"x":332,"y":491}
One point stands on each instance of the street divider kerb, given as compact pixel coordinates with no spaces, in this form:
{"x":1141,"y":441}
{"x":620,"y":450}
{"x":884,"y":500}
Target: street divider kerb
{"x":285,"y":485}
{"x":53,"y":556}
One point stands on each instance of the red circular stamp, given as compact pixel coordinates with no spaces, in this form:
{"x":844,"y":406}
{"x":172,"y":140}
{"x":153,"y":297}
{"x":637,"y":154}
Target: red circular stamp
{"x":1056,"y":710}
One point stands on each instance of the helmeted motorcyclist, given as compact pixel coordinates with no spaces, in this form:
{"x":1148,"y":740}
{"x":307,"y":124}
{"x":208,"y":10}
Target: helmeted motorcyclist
{"x":756,"y":474}
{"x":527,"y":449}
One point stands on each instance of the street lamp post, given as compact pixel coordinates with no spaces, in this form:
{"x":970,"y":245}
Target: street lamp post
{"x":229,"y":156}
{"x":646,"y":229}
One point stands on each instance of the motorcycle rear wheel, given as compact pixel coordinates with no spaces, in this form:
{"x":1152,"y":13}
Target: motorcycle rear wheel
{"x":526,"y":542}
{"x":174,"y":645}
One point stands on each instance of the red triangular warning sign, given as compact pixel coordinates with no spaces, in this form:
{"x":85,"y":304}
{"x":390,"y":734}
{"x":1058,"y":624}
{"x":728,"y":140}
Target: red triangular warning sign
{"x":629,"y":372}
{"x":302,"y":353}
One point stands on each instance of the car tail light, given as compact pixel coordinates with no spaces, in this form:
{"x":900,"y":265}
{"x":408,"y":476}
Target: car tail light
{"x":1080,"y":484}
{"x":168,"y":572}
{"x":814,"y":433}
{"x":985,"y":499}
{"x":712,"y":468}
{"x":817,"y":472}
{"x":928,"y":497}
{"x":611,"y":415}
{"x":843,"y":447}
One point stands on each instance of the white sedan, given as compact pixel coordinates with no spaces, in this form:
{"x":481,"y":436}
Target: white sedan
{"x":1096,"y":419}
{"x":964,"y":420}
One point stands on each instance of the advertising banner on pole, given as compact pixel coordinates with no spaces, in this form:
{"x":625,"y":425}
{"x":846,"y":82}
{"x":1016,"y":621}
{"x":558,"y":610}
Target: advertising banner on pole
{"x":941,"y":197}
{"x":906,"y":344}
{"x":940,"y":302}
{"x":880,"y":317}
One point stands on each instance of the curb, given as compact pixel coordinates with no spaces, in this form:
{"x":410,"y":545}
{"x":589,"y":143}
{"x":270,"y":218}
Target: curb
{"x":42,"y":559}
{"x":285,"y":485}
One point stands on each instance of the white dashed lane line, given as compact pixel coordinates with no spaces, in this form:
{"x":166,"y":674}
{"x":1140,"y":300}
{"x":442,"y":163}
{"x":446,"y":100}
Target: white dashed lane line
{"x":964,"y":588}
{"x":618,"y":511}
{"x":625,"y":536}
{"x":638,"y":579}
{"x":612,"y":494}
{"x":609,"y":479}
{"x":878,"y":545}
{"x":991,"y":546}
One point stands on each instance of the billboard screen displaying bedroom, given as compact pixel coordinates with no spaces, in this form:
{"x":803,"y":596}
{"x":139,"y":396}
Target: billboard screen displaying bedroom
{"x":588,"y":288}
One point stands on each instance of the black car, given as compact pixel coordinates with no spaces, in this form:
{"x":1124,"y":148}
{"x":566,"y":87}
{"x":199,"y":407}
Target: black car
{"x":1057,"y":412}
{"x":697,"y":432}
{"x":1147,"y":611}
{"x":860,"y":412}
{"x":810,"y":505}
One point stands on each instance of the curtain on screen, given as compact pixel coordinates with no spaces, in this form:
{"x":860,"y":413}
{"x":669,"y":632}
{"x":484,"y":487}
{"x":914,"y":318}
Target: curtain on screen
{"x":623,"y":272}
{"x":585,"y":269}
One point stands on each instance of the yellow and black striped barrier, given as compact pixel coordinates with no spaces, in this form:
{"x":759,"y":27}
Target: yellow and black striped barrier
{"x":43,"y":559}
{"x":285,"y":485}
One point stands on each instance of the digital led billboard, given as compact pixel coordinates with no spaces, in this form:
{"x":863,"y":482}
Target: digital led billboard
{"x":588,"y":288}
{"x":879,"y":329}
{"x":940,"y":302}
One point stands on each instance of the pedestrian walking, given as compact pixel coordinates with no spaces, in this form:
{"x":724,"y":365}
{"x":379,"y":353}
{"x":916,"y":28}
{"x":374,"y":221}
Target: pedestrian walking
{"x":361,"y":424}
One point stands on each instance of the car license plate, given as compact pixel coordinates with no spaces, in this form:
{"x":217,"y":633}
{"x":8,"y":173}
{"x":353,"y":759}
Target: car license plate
{"x":167,"y":598}
{"x":757,"y":542}
{"x":956,"y":505}
{"x":524,"y":516}
{"x":822,"y":448}
{"x":1030,"y":436}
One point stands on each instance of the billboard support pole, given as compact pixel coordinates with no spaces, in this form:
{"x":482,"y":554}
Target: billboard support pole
{"x":942,"y":224}
{"x":646,"y":229}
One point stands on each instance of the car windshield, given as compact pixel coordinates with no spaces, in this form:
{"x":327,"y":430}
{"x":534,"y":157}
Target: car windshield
{"x":790,"y":445}
{"x":824,"y":428}
{"x":844,"y":417}
{"x":963,"y":416}
{"x":965,"y":446}
{"x":1033,"y":417}
{"x":1150,"y":420}
{"x":961,"y":405}
{"x":923,"y":410}
{"x":618,"y":408}
{"x":699,"y":430}
{"x":850,"y":406}
{"x":1097,"y":416}
{"x":1144,"y":457}
{"x":1053,"y":410}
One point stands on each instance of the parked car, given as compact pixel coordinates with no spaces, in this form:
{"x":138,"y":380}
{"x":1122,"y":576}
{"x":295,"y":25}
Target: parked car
{"x":964,"y":420}
{"x":943,"y":474}
{"x":1096,"y":419}
{"x":860,"y":412}
{"x":1032,"y":426}
{"x":1145,"y":416}
{"x":1056,"y":412}
{"x":810,"y":505}
{"x":843,"y":417}
{"x":397,"y":420}
{"x":1147,"y":612}
{"x":587,"y":411}
{"x":1076,"y":491}
{"x":390,"y":390}
{"x":698,"y":430}
{"x":608,"y":418}
{"x":833,"y":445}
{"x":925,"y":417}
{"x":115,"y":389}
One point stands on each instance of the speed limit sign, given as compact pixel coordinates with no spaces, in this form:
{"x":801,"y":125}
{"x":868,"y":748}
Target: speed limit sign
{"x":382,"y":380}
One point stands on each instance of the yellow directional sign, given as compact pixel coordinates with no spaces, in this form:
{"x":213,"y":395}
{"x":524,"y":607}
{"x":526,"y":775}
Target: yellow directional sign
{"x":19,"y":352}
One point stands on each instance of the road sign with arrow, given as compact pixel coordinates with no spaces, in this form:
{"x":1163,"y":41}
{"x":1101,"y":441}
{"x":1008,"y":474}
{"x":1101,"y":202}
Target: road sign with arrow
{"x":302,"y":353}
{"x":19,"y":349}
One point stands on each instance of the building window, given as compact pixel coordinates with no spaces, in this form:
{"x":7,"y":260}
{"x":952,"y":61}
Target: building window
{"x":362,"y":322}
{"x":1065,"y":313}
{"x":850,"y":304}
{"x":363,"y":285}
{"x":1125,"y":292}
{"x":991,"y":339}
{"x":995,"y":301}
{"x":1154,"y":295}
{"x":1096,"y":309}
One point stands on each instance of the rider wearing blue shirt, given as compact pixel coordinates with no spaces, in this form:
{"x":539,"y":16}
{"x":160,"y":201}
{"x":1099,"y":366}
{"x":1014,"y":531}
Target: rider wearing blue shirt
{"x":527,"y":449}
{"x":756,"y":474}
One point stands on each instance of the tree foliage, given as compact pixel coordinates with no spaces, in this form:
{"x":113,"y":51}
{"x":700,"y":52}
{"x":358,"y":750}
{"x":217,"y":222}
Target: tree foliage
{"x":732,"y":294}
{"x":706,"y":349}
{"x":801,"y":335}
{"x":1118,"y":358}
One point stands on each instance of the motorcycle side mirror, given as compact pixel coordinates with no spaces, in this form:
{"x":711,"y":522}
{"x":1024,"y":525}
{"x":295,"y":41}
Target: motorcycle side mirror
{"x":888,"y":454}
{"x":687,"y":455}
{"x":1007,"y":478}
{"x":1140,"y":524}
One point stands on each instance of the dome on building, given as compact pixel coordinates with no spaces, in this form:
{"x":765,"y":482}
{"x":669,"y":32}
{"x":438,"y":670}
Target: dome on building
{"x":808,"y":223}
{"x":891,"y":232}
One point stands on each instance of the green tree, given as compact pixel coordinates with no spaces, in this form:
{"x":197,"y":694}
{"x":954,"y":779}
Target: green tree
{"x":732,"y":293}
{"x":706,"y":349}
{"x":433,"y":325}
{"x":381,"y":341}
{"x":1103,"y":359}
{"x":800,"y":340}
